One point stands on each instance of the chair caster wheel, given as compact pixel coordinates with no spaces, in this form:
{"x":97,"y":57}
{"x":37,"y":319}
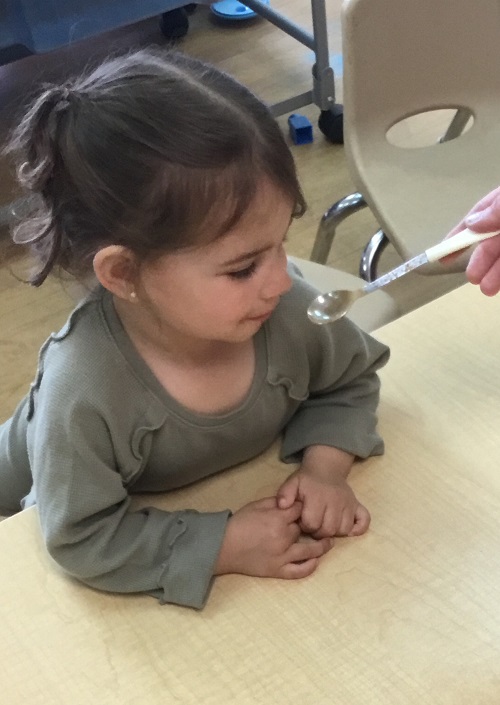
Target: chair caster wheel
{"x":174,"y":24}
{"x":331,"y":124}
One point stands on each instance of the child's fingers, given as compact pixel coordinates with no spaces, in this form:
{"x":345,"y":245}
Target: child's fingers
{"x":292,"y":514}
{"x":302,"y":558}
{"x":287,"y":493}
{"x":361,"y":521}
{"x":308,"y":548}
{"x":336,"y":523}
{"x":265,"y":503}
{"x":295,"y":571}
{"x":347,"y":522}
{"x":312,"y":519}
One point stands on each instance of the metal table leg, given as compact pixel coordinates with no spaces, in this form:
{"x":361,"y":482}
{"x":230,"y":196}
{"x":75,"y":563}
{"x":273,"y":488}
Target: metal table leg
{"x":323,"y":90}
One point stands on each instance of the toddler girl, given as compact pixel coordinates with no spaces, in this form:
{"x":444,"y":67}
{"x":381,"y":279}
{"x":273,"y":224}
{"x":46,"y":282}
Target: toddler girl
{"x":173,"y":186}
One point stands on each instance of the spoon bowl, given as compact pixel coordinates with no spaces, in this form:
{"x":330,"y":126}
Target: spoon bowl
{"x":332,"y":306}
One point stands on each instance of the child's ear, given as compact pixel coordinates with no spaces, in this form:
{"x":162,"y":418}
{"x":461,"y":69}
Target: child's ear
{"x":115,"y":268}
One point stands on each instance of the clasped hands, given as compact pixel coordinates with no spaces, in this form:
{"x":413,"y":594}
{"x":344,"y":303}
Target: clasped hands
{"x":286,"y":535}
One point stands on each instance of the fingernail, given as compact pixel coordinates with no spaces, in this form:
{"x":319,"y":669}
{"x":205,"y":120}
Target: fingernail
{"x":475,"y":218}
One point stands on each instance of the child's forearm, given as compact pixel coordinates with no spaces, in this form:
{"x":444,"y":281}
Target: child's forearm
{"x":327,"y":461}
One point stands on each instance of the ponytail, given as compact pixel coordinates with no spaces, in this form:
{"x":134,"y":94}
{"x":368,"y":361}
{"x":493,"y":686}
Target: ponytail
{"x":154,"y":151}
{"x":37,"y":139}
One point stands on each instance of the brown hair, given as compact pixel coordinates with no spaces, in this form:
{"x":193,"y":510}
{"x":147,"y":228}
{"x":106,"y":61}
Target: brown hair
{"x":153,"y":151}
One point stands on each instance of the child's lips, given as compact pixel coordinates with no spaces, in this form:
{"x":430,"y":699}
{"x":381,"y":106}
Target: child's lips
{"x":262,"y":317}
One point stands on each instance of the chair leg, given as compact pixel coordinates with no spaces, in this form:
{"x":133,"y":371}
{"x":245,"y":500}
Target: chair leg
{"x":329,"y":222}
{"x":371,"y":255}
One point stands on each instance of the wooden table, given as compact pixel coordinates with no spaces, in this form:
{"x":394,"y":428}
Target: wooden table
{"x":407,"y":614}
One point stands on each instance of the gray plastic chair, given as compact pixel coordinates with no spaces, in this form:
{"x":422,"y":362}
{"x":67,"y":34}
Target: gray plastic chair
{"x":402,"y":59}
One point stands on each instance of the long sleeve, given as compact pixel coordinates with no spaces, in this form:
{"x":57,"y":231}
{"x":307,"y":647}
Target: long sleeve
{"x":331,"y":371}
{"x":88,"y":527}
{"x":88,"y":424}
{"x":97,"y":426}
{"x":343,"y":395}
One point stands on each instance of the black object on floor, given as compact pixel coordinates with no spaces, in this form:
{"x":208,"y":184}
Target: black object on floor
{"x":174,"y":24}
{"x":331,"y":124}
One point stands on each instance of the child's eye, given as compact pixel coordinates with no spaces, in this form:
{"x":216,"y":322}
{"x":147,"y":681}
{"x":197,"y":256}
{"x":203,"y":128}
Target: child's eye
{"x":243,"y":273}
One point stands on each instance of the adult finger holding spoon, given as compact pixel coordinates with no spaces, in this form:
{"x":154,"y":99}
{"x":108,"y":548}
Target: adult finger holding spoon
{"x":484,"y":265}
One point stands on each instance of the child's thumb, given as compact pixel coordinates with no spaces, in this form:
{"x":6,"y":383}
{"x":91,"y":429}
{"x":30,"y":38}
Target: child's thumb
{"x":287,"y":493}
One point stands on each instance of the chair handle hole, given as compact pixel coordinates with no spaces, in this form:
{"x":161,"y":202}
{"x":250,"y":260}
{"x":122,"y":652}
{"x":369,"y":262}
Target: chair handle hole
{"x":428,"y":128}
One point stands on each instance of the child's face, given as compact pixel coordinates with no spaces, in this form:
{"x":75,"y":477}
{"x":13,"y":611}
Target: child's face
{"x":224,"y":291}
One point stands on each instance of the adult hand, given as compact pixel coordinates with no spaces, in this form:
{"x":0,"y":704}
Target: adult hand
{"x":263,"y":540}
{"x":484,"y":264}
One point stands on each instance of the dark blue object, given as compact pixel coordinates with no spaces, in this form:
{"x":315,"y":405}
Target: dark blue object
{"x":37,"y":26}
{"x":301,"y":129}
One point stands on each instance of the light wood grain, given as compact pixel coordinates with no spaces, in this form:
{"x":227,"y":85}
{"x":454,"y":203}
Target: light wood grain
{"x":405,"y":614}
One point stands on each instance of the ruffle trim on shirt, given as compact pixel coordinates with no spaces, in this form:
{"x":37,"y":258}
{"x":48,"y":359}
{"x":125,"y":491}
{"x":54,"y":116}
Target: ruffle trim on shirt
{"x":287,"y":342}
{"x":139,"y":428}
{"x":295,"y":388}
{"x":53,"y":338}
{"x":140,"y":445}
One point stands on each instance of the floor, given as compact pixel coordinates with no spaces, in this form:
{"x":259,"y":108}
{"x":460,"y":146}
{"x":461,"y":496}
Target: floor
{"x":276,"y":67}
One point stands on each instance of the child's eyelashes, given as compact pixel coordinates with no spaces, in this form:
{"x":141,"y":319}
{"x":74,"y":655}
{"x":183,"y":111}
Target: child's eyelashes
{"x":247,"y":272}
{"x":243,"y":273}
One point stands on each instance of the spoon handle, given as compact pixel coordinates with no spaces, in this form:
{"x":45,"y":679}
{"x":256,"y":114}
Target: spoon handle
{"x":455,"y":243}
{"x":395,"y":273}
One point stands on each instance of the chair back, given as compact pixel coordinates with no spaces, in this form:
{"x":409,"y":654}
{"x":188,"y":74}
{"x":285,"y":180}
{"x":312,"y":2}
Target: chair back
{"x":404,"y":57}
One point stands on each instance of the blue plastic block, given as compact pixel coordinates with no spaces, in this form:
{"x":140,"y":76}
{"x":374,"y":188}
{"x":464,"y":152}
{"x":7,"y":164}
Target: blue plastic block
{"x":301,"y":129}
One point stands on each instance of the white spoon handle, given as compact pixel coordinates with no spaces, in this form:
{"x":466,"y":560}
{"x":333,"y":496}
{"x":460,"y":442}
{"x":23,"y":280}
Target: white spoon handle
{"x":457,"y":242}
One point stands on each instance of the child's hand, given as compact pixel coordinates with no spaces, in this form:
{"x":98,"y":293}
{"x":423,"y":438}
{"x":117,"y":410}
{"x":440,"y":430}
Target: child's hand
{"x":262,"y":540}
{"x":329,"y":506}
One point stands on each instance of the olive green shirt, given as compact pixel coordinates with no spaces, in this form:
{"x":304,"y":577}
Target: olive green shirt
{"x":98,"y":426}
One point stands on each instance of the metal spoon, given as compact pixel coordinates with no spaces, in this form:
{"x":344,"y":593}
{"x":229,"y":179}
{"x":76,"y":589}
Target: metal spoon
{"x":334,"y":305}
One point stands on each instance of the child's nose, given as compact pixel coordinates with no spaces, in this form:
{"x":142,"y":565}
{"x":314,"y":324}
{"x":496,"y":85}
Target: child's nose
{"x":278,"y":283}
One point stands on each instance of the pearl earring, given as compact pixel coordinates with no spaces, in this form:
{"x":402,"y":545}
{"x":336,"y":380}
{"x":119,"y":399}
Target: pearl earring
{"x":133,"y":296}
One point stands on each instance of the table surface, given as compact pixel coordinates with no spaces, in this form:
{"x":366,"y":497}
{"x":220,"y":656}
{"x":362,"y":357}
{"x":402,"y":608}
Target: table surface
{"x":407,"y":614}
